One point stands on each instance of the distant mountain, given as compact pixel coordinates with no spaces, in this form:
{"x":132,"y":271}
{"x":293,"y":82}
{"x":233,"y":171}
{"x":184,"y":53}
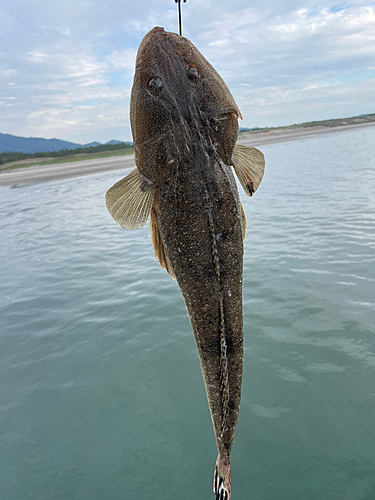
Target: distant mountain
{"x":31,"y":145}
{"x":111,"y":143}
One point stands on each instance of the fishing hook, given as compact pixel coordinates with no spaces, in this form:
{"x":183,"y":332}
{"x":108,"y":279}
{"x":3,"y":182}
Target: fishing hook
{"x":179,"y":14}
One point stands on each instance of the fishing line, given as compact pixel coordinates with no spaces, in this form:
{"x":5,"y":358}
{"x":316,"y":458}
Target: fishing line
{"x":179,"y":14}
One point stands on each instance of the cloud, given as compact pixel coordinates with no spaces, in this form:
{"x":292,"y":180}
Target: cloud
{"x":302,"y":57}
{"x":124,"y":59}
{"x":66,"y":68}
{"x":327,"y":101}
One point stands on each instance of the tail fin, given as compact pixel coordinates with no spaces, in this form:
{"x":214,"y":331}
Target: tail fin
{"x":222,"y":479}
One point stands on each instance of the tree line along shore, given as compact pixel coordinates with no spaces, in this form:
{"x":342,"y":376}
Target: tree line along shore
{"x":334,"y":122}
{"x":12,"y":160}
{"x":8,"y":157}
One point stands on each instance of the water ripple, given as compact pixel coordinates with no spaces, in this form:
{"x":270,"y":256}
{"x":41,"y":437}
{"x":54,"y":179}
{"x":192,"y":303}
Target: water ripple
{"x":99,"y":365}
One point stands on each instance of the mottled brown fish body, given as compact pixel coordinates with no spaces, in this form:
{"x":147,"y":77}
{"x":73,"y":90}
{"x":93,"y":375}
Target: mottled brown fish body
{"x":197,"y":207}
{"x":184,"y":125}
{"x":203,"y":235}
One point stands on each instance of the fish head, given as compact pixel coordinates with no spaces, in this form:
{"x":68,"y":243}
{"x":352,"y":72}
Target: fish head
{"x":178,"y":99}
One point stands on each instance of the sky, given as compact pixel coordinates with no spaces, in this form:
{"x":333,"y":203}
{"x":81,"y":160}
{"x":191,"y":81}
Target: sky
{"x":66,"y":66}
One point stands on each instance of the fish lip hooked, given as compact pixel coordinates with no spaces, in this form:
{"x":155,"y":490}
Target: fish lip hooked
{"x":155,"y":31}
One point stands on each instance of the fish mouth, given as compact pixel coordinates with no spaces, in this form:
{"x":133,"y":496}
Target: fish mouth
{"x":155,"y":30}
{"x":148,"y":36}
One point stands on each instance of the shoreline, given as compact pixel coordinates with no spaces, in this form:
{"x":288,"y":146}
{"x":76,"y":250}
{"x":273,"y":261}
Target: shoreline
{"x":40,"y":173}
{"x":293,"y":133}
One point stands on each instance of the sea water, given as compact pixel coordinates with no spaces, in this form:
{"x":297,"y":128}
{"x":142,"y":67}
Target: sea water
{"x":101,"y":395}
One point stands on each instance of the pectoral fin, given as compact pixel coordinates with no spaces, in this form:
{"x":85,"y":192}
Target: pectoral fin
{"x":249,"y":165}
{"x":158,"y":245}
{"x":129,"y":201}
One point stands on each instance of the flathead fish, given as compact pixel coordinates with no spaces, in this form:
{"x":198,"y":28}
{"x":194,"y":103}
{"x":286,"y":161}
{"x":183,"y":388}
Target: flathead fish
{"x":184,"y":123}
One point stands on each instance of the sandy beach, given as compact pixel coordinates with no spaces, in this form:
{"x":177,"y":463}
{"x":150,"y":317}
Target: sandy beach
{"x":294,"y":133}
{"x":42,"y":173}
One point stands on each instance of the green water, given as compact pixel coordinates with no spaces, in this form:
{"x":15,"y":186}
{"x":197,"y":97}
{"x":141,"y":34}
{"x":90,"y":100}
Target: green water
{"x":101,"y":395}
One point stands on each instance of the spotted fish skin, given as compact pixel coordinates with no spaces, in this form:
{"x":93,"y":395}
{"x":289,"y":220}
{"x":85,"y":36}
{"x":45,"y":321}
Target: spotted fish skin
{"x":185,"y":125}
{"x":203,"y":237}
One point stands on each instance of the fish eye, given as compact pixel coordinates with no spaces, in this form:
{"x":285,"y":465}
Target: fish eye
{"x":193,"y":73}
{"x":155,"y":85}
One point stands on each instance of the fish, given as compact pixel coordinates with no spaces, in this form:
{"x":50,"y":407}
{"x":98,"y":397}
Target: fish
{"x":184,"y":123}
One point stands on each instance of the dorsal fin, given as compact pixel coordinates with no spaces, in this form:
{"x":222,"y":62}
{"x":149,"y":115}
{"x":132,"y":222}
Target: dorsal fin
{"x":129,"y":201}
{"x":248,"y":163}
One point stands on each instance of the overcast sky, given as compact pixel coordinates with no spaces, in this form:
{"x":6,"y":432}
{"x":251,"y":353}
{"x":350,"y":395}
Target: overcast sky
{"x":66,"y":66}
